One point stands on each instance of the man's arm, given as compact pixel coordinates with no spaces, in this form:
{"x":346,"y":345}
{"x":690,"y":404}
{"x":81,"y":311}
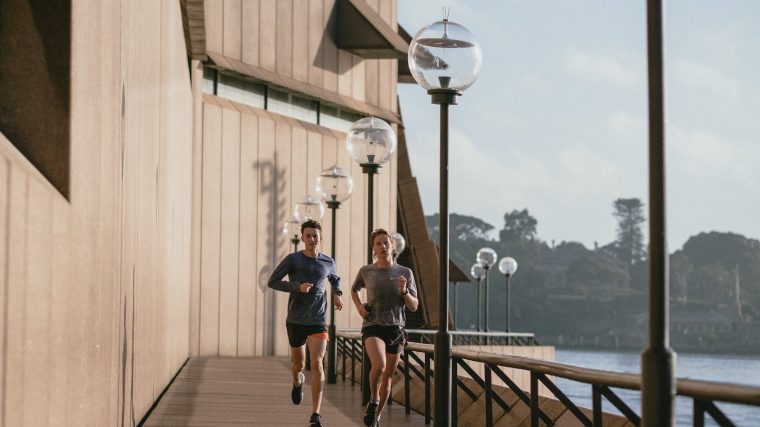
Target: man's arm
{"x":275,"y":280}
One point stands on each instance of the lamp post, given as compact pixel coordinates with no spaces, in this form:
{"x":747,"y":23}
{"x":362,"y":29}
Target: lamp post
{"x":658,"y":360}
{"x":487,"y":258}
{"x":334,"y":185}
{"x":508,"y":267}
{"x":370,"y":142}
{"x":292,"y":228}
{"x":444,"y":59}
{"x":477,"y":271}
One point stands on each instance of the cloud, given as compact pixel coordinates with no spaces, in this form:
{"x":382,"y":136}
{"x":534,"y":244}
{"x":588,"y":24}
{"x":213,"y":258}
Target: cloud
{"x":701,"y":77}
{"x":604,"y":68}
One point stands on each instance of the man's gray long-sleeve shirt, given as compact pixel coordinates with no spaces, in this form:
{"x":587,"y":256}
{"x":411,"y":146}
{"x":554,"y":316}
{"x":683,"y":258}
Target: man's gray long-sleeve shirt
{"x":306,"y":308}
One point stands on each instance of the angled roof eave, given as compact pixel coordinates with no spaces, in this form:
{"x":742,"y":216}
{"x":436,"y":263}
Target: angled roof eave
{"x":194,"y":25}
{"x":364,"y":32}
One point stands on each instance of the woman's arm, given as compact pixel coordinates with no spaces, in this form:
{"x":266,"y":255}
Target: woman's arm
{"x":358,"y":303}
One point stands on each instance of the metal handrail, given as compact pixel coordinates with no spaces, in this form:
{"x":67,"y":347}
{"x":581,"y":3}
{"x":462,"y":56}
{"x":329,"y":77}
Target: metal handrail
{"x":704,"y":393}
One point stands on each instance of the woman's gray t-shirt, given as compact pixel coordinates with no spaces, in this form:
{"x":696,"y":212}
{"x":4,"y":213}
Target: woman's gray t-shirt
{"x":383,"y":296}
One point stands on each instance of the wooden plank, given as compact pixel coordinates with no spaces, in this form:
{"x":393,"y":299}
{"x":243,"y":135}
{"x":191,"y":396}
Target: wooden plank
{"x":314,"y":166}
{"x":316,"y":37}
{"x":359,"y":242}
{"x":267,"y":234}
{"x":250,"y":32}
{"x":232,"y":29}
{"x":60,"y":305}
{"x":210,"y":230}
{"x":255,"y":391}
{"x":284,"y":34}
{"x":330,"y":51}
{"x":284,"y":162}
{"x":37,"y":301}
{"x":4,"y":284}
{"x":214,"y":13}
{"x":247,"y":327}
{"x":267,"y":35}
{"x":16,"y":297}
{"x":300,"y":34}
{"x":230,"y":232}
{"x":371,"y":82}
{"x":196,"y":209}
{"x":359,"y":78}
{"x":345,"y":76}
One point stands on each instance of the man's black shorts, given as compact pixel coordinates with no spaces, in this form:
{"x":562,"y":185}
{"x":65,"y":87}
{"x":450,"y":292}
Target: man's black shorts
{"x":297,"y":333}
{"x":393,"y":336}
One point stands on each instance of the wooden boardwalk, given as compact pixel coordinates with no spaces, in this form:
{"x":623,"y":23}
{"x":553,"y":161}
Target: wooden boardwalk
{"x":255,"y":391}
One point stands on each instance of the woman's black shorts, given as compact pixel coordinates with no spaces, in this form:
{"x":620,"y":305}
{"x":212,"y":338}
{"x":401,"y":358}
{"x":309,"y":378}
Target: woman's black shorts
{"x":393,"y":336}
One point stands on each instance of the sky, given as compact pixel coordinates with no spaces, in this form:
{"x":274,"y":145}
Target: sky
{"x":557,"y":120}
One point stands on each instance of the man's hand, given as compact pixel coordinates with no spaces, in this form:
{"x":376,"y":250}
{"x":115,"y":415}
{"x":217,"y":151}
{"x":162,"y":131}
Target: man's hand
{"x":338,"y":302}
{"x":304,"y":287}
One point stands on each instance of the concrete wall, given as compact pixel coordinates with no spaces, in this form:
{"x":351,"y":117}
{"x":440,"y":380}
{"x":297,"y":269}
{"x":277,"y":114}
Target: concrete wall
{"x":94,"y":289}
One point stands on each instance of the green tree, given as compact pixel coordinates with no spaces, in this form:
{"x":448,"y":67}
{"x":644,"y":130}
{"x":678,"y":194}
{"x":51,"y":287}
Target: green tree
{"x":518,"y":226}
{"x":629,"y":246}
{"x":461,"y":227}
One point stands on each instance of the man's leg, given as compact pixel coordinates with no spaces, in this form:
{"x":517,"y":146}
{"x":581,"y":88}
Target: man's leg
{"x":386,"y":380}
{"x":317,"y":346}
{"x":297,"y":358}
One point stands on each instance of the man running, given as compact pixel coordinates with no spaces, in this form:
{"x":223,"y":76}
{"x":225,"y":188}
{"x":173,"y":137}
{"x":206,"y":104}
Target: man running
{"x":307,"y":271}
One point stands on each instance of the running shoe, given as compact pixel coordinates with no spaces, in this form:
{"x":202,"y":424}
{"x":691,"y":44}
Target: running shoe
{"x":315,"y":420}
{"x":370,"y":413}
{"x":296,"y":395}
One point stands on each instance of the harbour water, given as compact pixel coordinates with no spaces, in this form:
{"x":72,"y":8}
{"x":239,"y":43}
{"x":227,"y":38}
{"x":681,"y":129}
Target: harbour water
{"x":708,"y":367}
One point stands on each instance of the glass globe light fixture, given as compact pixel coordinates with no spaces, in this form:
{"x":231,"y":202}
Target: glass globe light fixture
{"x":508,"y":266}
{"x":444,"y":56}
{"x":309,"y":207}
{"x":477,"y":271}
{"x":292,"y":228}
{"x":334,"y":184}
{"x":371,"y":141}
{"x":399,"y":243}
{"x":486,"y":257}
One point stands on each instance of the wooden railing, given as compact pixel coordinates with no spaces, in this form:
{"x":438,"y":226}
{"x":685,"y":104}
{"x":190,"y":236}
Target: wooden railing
{"x":418,"y":357}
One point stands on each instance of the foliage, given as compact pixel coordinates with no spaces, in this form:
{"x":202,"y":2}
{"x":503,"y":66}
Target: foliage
{"x":518,"y":226}
{"x":630,"y":240}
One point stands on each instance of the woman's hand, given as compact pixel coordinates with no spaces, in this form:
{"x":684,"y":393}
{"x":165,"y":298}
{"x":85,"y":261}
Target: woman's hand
{"x":402,"y":285}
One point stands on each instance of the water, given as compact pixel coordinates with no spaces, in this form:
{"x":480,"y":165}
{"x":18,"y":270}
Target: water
{"x":708,"y":367}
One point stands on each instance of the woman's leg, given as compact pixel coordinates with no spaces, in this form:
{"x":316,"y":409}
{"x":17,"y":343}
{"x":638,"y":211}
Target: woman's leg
{"x":391,"y":361}
{"x":375,"y":348}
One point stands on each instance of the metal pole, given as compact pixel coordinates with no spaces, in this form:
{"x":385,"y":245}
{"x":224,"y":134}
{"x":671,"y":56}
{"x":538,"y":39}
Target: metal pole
{"x":332,"y":345}
{"x":658,"y":360}
{"x":479,"y":303}
{"x":442,"y":366}
{"x":370,"y":169}
{"x":485,"y":306}
{"x":506,"y":325}
{"x":456,"y":297}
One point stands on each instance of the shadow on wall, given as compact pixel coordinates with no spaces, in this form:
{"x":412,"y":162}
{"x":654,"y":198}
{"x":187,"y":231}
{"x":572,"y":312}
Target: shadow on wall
{"x":328,"y":47}
{"x":271,"y":194}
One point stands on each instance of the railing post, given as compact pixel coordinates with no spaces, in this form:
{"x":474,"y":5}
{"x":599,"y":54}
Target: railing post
{"x":533,"y":399}
{"x":454,"y":389}
{"x":489,"y":395}
{"x":407,"y":397}
{"x":427,"y":388}
{"x":596,"y":397}
{"x":353,"y":362}
{"x":699,"y":413}
{"x":345,"y":350}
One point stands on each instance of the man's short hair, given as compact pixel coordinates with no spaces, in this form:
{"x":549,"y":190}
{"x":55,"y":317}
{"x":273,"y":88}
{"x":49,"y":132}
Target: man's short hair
{"x":310,"y":223}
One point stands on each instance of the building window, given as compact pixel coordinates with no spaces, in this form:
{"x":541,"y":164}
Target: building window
{"x":251,"y":92}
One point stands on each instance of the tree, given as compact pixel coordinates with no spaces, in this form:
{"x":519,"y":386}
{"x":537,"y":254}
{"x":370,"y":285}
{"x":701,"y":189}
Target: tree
{"x":461,"y":227}
{"x":680,"y":269}
{"x":518,"y":226}
{"x":629,"y":246}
